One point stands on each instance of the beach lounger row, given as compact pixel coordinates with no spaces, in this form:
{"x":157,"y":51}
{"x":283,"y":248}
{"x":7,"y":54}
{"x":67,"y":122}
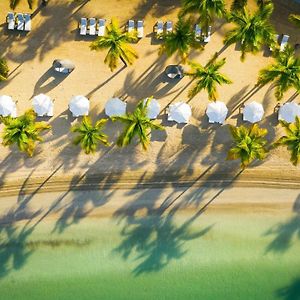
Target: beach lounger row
{"x":19,"y":21}
{"x":282,"y":44}
{"x":90,"y":26}
{"x":160,"y":28}
{"x":139,"y":27}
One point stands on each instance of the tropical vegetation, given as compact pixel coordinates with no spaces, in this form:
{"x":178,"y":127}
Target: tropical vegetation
{"x":118,"y":45}
{"x":90,"y":135}
{"x":248,"y":144}
{"x":295,"y":19}
{"x":207,"y":77}
{"x":238,"y":5}
{"x":15,"y":3}
{"x":23,"y":131}
{"x":4,"y":70}
{"x":137,"y":124}
{"x":285,"y":72}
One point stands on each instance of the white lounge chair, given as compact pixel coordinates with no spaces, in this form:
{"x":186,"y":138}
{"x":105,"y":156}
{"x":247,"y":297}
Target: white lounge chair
{"x":27,"y":18}
{"x":92,"y":26}
{"x":10,"y":19}
{"x":197,"y":33}
{"x":159,"y":29}
{"x":83,"y":26}
{"x":284,"y":42}
{"x":207,"y":38}
{"x":130,"y":25}
{"x":101,"y":27}
{"x":20,"y":21}
{"x":276,"y":38}
{"x":169,"y":26}
{"x":140,"y":29}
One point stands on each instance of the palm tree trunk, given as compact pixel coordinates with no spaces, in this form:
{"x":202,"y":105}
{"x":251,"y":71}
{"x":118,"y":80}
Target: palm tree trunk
{"x":123,"y":60}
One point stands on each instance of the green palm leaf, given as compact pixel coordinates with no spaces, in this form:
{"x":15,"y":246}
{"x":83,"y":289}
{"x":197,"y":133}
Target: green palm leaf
{"x":295,"y":19}
{"x":15,"y":3}
{"x":3,"y":69}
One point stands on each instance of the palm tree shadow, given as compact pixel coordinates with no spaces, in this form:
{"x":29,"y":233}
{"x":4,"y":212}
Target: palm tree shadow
{"x":290,"y":292}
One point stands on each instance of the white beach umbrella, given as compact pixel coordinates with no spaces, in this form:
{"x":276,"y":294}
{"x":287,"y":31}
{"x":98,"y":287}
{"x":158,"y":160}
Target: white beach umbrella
{"x":115,"y":107}
{"x":253,"y":112}
{"x":43,"y":105}
{"x":288,"y":112}
{"x":79,"y":106}
{"x":7,"y":106}
{"x":153,"y":108}
{"x":179,"y":112}
{"x":216,"y":112}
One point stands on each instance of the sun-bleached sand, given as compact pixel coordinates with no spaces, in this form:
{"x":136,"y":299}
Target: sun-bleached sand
{"x":188,"y":153}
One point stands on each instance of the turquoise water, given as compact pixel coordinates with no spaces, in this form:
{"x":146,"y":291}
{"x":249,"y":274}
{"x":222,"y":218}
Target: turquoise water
{"x":218,"y":255}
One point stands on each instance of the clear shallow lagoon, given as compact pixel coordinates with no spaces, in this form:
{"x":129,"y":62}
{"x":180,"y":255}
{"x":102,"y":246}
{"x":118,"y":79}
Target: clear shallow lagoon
{"x":222,"y":254}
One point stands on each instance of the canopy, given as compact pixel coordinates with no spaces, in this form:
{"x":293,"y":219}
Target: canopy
{"x":79,"y":106}
{"x":174,"y":71}
{"x":253,"y":112}
{"x":115,"y":107}
{"x":43,"y":105}
{"x":63,"y":66}
{"x":179,"y":112}
{"x":216,"y":112}
{"x":288,"y":112}
{"x":7,"y":106}
{"x":153,"y":108}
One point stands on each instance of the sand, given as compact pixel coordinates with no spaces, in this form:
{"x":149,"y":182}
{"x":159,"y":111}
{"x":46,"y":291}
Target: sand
{"x":185,"y":154}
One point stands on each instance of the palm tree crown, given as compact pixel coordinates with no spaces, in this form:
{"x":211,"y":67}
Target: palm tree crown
{"x":3,"y":69}
{"x":285,"y":72}
{"x":181,"y":40}
{"x":291,"y":139}
{"x":15,"y":3}
{"x":117,"y":44}
{"x":248,"y":144}
{"x":207,"y":77}
{"x":295,"y":19}
{"x":251,"y":31}
{"x":89,"y":135}
{"x":137,"y":124}
{"x":23,"y":131}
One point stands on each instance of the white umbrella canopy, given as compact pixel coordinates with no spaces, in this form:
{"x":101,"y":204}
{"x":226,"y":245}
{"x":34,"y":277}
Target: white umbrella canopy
{"x":43,"y":105}
{"x":7,"y":106}
{"x":179,"y":112}
{"x":79,"y":106}
{"x":153,"y":108}
{"x":288,"y":112}
{"x":216,"y":112}
{"x":115,"y":107}
{"x":253,"y":112}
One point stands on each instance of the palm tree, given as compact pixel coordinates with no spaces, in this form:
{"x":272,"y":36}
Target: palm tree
{"x":291,"y":139}
{"x":295,"y":19}
{"x":89,"y":135}
{"x":117,"y":44}
{"x":248,"y":144}
{"x":15,"y":3}
{"x":285,"y":72}
{"x":3,"y":69}
{"x":23,"y":131}
{"x":207,"y":77}
{"x":238,"y":5}
{"x":137,"y":124}
{"x":208,"y":10}
{"x":181,"y":40}
{"x":251,"y":31}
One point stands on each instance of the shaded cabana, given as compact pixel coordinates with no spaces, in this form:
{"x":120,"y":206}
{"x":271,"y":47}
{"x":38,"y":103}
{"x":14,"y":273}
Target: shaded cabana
{"x":288,"y":112}
{"x":43,"y":105}
{"x":115,"y":107}
{"x":253,"y":112}
{"x":174,"y":71}
{"x":63,"y":66}
{"x":216,"y":112}
{"x":7,"y":106}
{"x":79,"y":106}
{"x":179,"y":112}
{"x":153,"y":108}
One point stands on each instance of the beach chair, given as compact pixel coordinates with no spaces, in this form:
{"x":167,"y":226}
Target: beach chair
{"x":169,"y":27}
{"x":197,"y":33}
{"x":159,"y":30}
{"x":130,"y":25}
{"x":276,"y":38}
{"x":92,"y":26}
{"x":101,"y":27}
{"x":20,"y":21}
{"x":140,"y":29}
{"x":10,"y":19}
{"x":27,"y":25}
{"x":284,"y":42}
{"x":83,"y":26}
{"x":207,"y":38}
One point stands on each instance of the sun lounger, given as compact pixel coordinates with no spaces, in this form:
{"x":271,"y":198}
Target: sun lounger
{"x":276,"y":38}
{"x":20,"y":21}
{"x":159,"y":29}
{"x":130,"y":25}
{"x":10,"y":19}
{"x":197,"y":33}
{"x":27,"y":18}
{"x":284,"y":42}
{"x":92,"y":26}
{"x":83,"y":26}
{"x":207,"y":38}
{"x":140,"y":29}
{"x":101,"y":27}
{"x":169,"y":26}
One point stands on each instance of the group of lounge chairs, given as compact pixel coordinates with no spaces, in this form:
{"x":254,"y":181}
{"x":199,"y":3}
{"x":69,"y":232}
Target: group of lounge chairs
{"x":90,"y":26}
{"x":19,"y":21}
{"x":281,"y":40}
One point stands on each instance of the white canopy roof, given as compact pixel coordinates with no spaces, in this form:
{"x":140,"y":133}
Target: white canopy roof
{"x":288,"y":112}
{"x":153,"y":108}
{"x":253,"y":112}
{"x":79,"y":106}
{"x":7,"y":106}
{"x":216,"y":112}
{"x":179,"y":112}
{"x":43,"y":105}
{"x":115,"y":107}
